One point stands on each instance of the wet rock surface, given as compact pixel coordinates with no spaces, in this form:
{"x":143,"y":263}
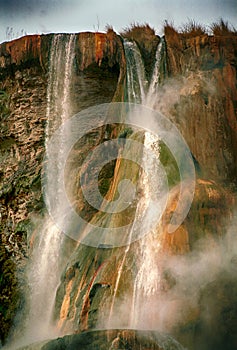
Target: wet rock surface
{"x":24,"y":63}
{"x":112,"y":339}
{"x":206,"y":99}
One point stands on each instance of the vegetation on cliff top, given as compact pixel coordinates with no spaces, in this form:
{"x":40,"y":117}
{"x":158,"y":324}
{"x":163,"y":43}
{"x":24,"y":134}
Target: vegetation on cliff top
{"x":138,"y":31}
{"x":147,"y":42}
{"x":193,"y":28}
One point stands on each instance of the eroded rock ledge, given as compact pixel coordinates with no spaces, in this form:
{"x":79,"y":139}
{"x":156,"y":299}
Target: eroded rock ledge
{"x":123,"y":339}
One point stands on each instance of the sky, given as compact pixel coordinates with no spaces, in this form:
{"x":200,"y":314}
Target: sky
{"x":48,"y":16}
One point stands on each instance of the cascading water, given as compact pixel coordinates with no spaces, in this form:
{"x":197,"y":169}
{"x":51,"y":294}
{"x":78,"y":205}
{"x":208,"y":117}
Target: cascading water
{"x":138,"y":89}
{"x":147,"y":280}
{"x":136,"y":76}
{"x":156,"y":75}
{"x":46,"y":264}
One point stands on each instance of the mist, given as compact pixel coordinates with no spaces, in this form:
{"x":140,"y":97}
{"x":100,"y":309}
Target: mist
{"x":197,"y":289}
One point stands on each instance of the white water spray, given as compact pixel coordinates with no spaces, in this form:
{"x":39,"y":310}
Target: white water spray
{"x":147,"y":280}
{"x":46,"y":263}
{"x":156,"y":75}
{"x":136,"y":76}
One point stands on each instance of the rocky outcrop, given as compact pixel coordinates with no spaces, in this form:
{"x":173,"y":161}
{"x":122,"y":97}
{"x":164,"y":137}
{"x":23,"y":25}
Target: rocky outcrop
{"x":206,"y":98}
{"x":22,"y":150}
{"x":111,"y":339}
{"x":25,"y":51}
{"x":209,"y":215}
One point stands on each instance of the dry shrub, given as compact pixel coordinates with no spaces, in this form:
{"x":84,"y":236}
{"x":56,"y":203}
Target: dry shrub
{"x":109,"y":28}
{"x":222,"y":28}
{"x":192,"y":29}
{"x":147,"y":41}
{"x":138,"y":32}
{"x":169,"y":29}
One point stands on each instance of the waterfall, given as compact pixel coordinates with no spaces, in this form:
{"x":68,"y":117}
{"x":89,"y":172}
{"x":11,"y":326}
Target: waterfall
{"x":46,"y":263}
{"x":136,"y":76}
{"x":156,"y":75}
{"x":147,"y":280}
{"x":138,"y":88}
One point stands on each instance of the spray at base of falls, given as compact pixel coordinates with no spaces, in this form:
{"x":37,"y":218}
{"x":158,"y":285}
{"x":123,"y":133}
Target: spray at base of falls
{"x":46,"y":262}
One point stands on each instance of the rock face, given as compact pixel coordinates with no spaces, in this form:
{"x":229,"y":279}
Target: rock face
{"x":22,"y":148}
{"x":98,"y":78}
{"x":199,"y":95}
{"x":111,"y":339}
{"x":85,"y":297}
{"x":207,"y":98}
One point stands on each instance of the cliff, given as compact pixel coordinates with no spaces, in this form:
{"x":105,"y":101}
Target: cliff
{"x":198,"y":93}
{"x":207,"y":99}
{"x":99,"y":74}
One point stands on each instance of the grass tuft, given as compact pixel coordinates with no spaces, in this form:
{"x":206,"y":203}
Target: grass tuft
{"x":169,"y":28}
{"x":192,"y":29}
{"x":137,"y":31}
{"x":109,"y":28}
{"x":222,"y":28}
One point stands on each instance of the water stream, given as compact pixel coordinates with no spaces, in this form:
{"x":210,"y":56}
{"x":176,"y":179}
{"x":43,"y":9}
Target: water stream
{"x":148,"y":277}
{"x":147,"y":280}
{"x":136,"y":76}
{"x":45,"y":263}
